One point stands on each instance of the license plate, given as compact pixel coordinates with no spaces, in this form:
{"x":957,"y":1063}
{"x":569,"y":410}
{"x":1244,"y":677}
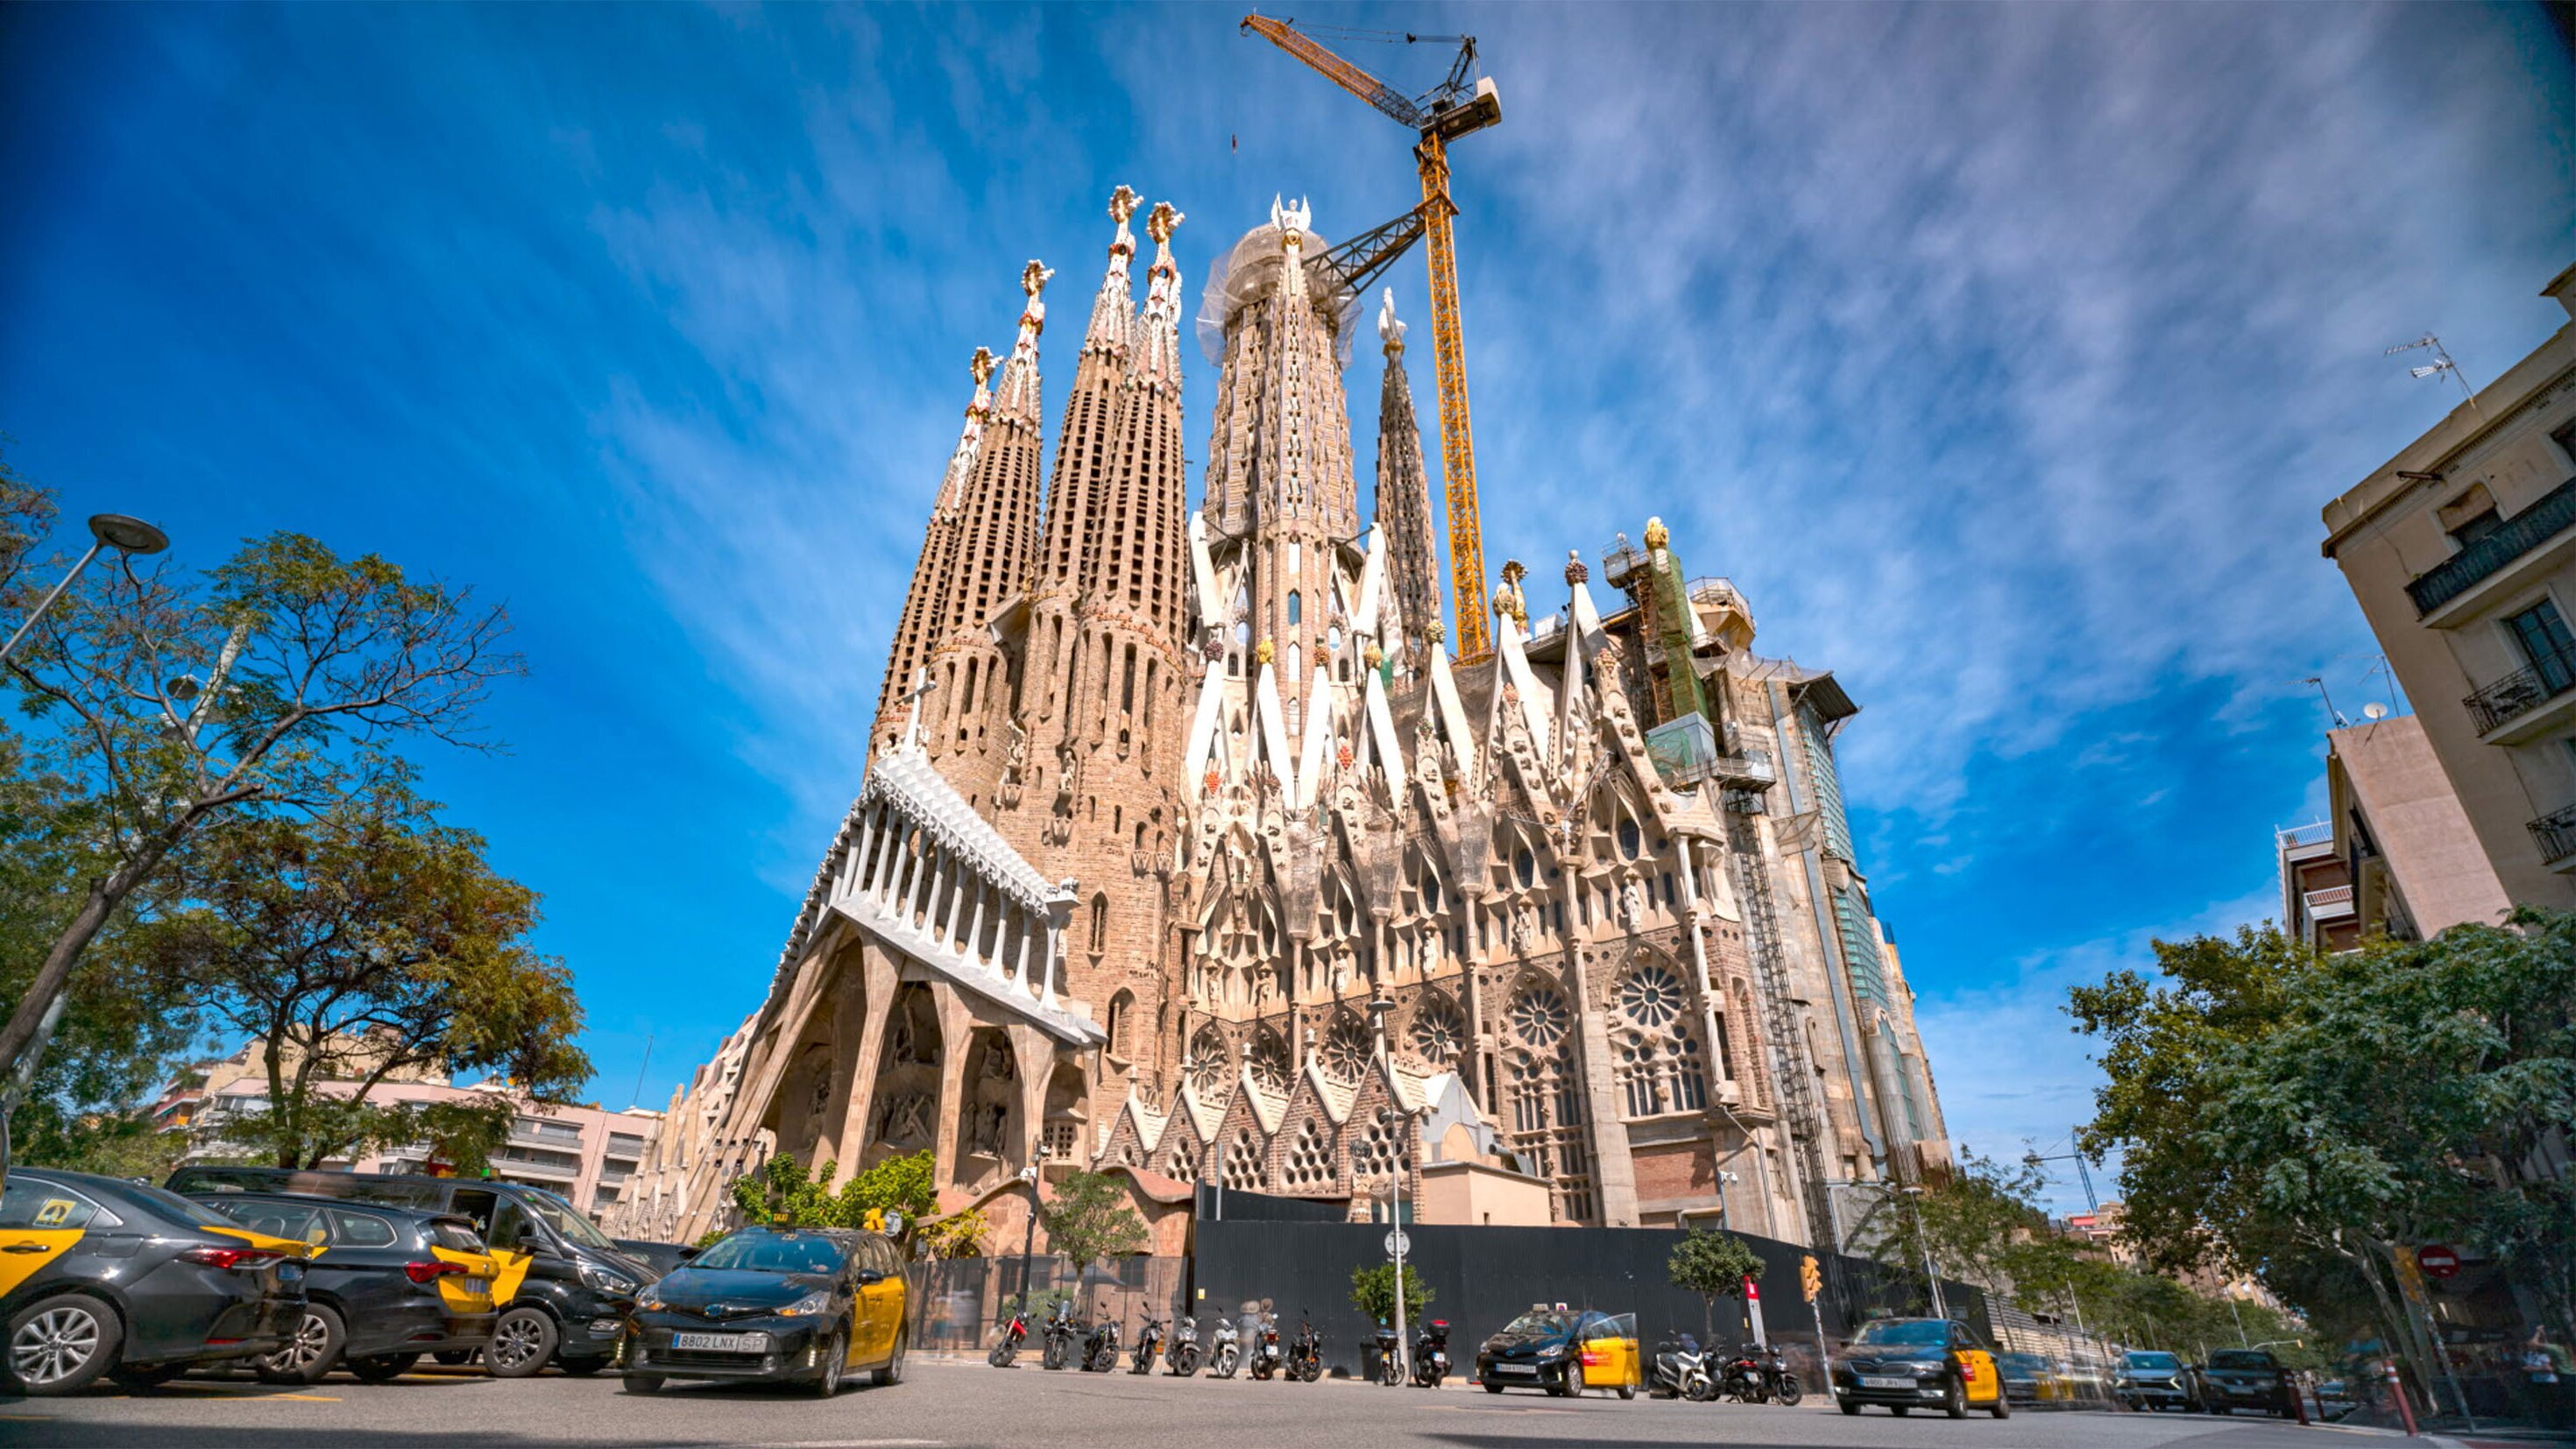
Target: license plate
{"x":475,"y":1287}
{"x":1515,"y":1368}
{"x":1882,"y":1381}
{"x":721,"y":1342}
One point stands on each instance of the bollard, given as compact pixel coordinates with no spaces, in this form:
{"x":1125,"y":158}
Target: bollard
{"x":2292,"y":1384}
{"x":2405,"y":1409}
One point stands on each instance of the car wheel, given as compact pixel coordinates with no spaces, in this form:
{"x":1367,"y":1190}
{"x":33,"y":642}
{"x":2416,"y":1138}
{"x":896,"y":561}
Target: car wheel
{"x":1900,"y":1410}
{"x":582,"y":1368}
{"x":1956,"y":1405}
{"x":643,"y":1383}
{"x":1493,"y":1388}
{"x":382,"y":1368}
{"x":892,"y":1373}
{"x":1850,"y":1409}
{"x":827,"y":1381}
{"x":1627,"y":1391}
{"x":522,"y":1341}
{"x":2002,"y":1408}
{"x":143,"y":1380}
{"x":60,"y":1345}
{"x":309,"y":1354}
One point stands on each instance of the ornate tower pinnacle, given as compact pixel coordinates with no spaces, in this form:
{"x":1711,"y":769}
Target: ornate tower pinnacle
{"x":970,"y":439}
{"x":1113,"y":316}
{"x":1404,"y":502}
{"x":1292,"y":221}
{"x":1390,"y":332}
{"x":1158,"y":362}
{"x":1020,"y":378}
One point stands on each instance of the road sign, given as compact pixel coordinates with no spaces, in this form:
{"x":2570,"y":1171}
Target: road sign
{"x":2437,"y":1260}
{"x":1397,"y":1244}
{"x":1752,"y":1290}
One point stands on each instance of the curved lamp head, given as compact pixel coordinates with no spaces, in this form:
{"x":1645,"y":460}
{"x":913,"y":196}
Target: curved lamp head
{"x":131,"y":535}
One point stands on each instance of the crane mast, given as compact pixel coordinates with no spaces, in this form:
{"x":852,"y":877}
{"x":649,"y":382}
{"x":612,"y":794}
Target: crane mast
{"x":1455,"y":108}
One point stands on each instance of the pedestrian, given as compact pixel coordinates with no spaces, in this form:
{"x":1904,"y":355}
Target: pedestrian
{"x":2545,"y":1373}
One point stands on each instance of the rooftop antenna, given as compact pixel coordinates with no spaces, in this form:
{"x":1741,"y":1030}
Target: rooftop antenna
{"x":637,"y":1096}
{"x":2440,"y":364}
{"x":2331,"y":712}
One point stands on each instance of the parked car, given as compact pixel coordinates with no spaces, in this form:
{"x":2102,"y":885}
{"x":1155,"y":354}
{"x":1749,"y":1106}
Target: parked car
{"x":2245,"y":1378}
{"x":777,"y":1304}
{"x":2147,"y":1380}
{"x":1910,"y":1363}
{"x":100,"y":1276}
{"x":564,"y":1286}
{"x":2028,"y":1378}
{"x":389,"y":1285}
{"x":1563,"y":1352}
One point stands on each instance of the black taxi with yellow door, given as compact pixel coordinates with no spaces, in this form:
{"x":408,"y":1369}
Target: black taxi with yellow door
{"x":781,"y":1305}
{"x":1906,"y":1364}
{"x":100,"y":1276}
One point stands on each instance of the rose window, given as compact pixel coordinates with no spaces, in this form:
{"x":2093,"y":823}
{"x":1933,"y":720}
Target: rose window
{"x":1539,"y":1016}
{"x":1208,"y":1067}
{"x":1270,"y":1068}
{"x":1439,"y":1033}
{"x":1652,"y":997}
{"x":1346,"y":1050}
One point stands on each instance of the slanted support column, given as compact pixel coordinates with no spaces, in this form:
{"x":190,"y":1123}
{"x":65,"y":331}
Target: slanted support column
{"x":1027,"y":936}
{"x":975,"y":928}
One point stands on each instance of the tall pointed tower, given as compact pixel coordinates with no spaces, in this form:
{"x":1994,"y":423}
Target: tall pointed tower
{"x":997,"y":538}
{"x":912,"y":632}
{"x":1404,"y":501}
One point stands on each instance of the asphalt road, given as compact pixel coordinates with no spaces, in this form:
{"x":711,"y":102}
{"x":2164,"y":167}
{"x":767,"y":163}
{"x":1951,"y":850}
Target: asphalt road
{"x":967,"y":1404}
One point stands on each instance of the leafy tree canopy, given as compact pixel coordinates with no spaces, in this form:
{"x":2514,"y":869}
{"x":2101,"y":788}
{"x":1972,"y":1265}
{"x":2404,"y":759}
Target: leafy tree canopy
{"x":1373,"y":1293}
{"x":1088,"y":1219}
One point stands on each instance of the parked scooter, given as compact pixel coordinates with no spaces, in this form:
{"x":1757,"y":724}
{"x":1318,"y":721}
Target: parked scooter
{"x":1390,"y":1364}
{"x":1059,"y":1334}
{"x":1100,"y":1349}
{"x":1183,"y":1355}
{"x":1266,"y":1357}
{"x":1431,"y":1354}
{"x":1756,"y":1374}
{"x":1013,"y":1333}
{"x":1225,"y":1350}
{"x":1149,"y":1346}
{"x":1681,"y":1370}
{"x":1306,"y":1353}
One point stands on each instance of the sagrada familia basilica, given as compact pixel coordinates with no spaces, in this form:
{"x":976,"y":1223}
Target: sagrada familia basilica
{"x":1185,"y":847}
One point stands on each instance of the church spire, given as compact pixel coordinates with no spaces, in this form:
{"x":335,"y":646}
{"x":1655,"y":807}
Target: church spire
{"x":916,"y":628}
{"x":970,"y":439}
{"x":1158,"y":360}
{"x":1404,"y":500}
{"x":1113,"y":311}
{"x":1019,"y":391}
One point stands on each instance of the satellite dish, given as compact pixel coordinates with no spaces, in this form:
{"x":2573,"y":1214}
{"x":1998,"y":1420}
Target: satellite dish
{"x":2374,"y":711}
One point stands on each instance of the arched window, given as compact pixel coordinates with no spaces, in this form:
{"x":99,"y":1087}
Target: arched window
{"x":1099,"y":923}
{"x":1631,"y":839}
{"x":1296,"y":607}
{"x":1525,"y":867}
{"x":1122,"y":1018}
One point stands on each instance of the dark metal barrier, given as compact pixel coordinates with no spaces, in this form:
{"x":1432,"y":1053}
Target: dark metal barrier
{"x":957,"y":1303}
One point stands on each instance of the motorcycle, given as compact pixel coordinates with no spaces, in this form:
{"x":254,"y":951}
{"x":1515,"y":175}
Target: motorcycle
{"x":1756,"y":1374}
{"x":1265,"y":1347}
{"x":1100,"y":1349}
{"x":1013,"y":1333}
{"x":1306,"y":1353}
{"x":1059,"y":1334}
{"x":1149,"y":1346}
{"x":1390,"y":1364}
{"x":1225,"y":1350}
{"x":1183,"y":1355}
{"x":1681,"y":1371}
{"x":1431,"y":1354}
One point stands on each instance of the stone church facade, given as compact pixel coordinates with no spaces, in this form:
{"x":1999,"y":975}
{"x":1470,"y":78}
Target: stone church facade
{"x":1185,"y":847}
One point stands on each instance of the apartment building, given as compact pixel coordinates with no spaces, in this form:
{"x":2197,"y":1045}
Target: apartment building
{"x":2462,"y":553}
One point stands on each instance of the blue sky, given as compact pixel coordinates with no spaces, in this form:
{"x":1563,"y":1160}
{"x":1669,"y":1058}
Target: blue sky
{"x":2004,"y":356}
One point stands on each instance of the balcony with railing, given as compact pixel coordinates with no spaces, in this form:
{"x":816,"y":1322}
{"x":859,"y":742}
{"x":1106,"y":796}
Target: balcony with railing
{"x":2555,"y":834}
{"x":2518,"y":695}
{"x":2551,"y":514}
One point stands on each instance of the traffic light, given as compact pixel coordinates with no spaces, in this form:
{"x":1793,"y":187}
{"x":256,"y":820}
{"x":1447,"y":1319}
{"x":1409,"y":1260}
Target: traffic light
{"x":1810,"y":1281}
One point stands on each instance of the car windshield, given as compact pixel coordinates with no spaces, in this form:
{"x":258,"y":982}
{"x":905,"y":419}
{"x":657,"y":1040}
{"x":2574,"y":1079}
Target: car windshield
{"x":773,"y":1253}
{"x":564,"y":1218}
{"x":1541,"y":1323}
{"x":277,"y":1219}
{"x":2240,"y":1358}
{"x":160,"y":1199}
{"x":2161,"y":1362}
{"x":1903,"y":1333}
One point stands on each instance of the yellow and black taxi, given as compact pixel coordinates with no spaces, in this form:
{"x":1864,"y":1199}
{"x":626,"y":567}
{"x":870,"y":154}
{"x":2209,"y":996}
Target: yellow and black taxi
{"x":1906,"y":1364}
{"x":784,"y":1305}
{"x":100,"y":1276}
{"x":385,"y":1285}
{"x":1562,"y":1351}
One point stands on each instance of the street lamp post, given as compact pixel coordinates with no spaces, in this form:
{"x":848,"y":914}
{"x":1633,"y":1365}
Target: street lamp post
{"x":1029,"y":1238}
{"x":1400,"y":1122}
{"x":129,"y":536}
{"x":1931,"y":1270}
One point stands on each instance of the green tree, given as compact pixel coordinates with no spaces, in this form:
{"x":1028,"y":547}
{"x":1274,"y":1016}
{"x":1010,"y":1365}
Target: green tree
{"x":958,"y":1235}
{"x":1713,"y":1265}
{"x":780,"y":1193}
{"x":1976,"y":1225}
{"x":169,"y":702}
{"x":902,"y":1184}
{"x":1373,"y":1293}
{"x":1088,"y":1220}
{"x":363,"y":945}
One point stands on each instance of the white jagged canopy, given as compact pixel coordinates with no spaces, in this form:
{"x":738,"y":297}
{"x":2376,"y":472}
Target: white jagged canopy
{"x":1248,"y":272}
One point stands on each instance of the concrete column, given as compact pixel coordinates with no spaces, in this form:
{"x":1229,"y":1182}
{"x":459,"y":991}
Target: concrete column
{"x":958,"y":891}
{"x":975,"y":929}
{"x":1614,"y":1173}
{"x":1020,"y":918}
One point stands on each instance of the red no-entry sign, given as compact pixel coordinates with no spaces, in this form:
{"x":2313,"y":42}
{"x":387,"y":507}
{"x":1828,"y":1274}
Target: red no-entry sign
{"x":2437,"y":1261}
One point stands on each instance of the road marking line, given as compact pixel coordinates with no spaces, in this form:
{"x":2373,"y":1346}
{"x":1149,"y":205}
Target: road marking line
{"x":309,"y":1398}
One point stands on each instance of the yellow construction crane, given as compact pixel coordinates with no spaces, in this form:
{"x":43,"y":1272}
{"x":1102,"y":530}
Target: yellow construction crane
{"x":1463,"y":103}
